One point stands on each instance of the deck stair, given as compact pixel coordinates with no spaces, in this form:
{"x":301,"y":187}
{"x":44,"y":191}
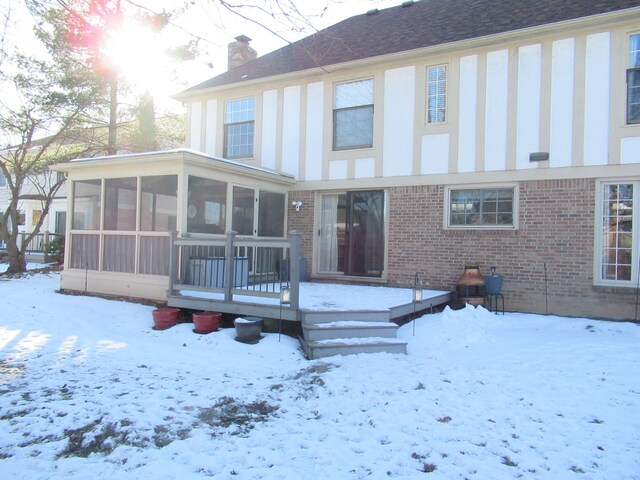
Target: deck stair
{"x":344,"y":333}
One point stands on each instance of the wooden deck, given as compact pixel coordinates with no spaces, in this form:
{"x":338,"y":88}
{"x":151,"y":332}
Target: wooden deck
{"x":316,"y":300}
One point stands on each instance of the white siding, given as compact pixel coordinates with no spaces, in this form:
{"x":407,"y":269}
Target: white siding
{"x":269,"y":128}
{"x":528,"y":116}
{"x":195,"y":126}
{"x":291,"y":131}
{"x":495,"y":150}
{"x":435,"y":154}
{"x":596,"y":99}
{"x":315,"y":122}
{"x":561,"y":126}
{"x":468,"y":112}
{"x":211,"y":127}
{"x":365,"y":168}
{"x":399,"y":105}
{"x":630,"y":150}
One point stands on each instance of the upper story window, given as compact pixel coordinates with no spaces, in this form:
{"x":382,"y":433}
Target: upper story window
{"x":481,"y":207}
{"x":3,"y":180}
{"x":633,"y":80}
{"x":239,"y":122}
{"x":437,"y":94}
{"x":353,"y":115}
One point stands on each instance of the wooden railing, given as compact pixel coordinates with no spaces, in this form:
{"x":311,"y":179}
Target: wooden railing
{"x":38,"y":243}
{"x":235,"y":266}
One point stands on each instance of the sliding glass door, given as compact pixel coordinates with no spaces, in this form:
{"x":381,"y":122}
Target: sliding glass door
{"x":352,"y":233}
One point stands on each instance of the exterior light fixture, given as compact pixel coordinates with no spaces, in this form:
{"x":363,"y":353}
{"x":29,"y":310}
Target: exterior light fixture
{"x":297,"y":204}
{"x":285,"y":299}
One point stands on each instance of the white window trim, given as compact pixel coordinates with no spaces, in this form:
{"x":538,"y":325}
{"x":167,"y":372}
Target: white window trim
{"x":598,"y":237}
{"x":516,"y":206}
{"x":446,"y":95}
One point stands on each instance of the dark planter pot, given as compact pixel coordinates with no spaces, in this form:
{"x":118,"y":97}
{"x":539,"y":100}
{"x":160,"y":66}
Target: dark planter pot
{"x":164,"y":318}
{"x":206,"y":322}
{"x":493,"y":284}
{"x":248,"y":329}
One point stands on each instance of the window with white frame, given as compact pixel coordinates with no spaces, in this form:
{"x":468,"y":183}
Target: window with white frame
{"x":239,"y":124}
{"x":481,"y":207}
{"x":353,"y":115}
{"x":437,"y":94}
{"x":633,"y":80}
{"x":619,"y":239}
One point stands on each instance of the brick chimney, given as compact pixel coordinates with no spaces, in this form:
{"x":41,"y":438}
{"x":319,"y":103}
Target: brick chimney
{"x":240,"y":52}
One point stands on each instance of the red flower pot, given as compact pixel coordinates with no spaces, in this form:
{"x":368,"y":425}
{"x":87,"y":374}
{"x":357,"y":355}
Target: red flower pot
{"x":164,"y":318}
{"x":206,"y":322}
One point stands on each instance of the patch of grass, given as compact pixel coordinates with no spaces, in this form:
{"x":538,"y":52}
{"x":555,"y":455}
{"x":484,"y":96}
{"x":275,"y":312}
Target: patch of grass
{"x":508,"y":462}
{"x":429,"y":467}
{"x":445,"y":419}
{"x":228,"y":412}
{"x":93,"y":438}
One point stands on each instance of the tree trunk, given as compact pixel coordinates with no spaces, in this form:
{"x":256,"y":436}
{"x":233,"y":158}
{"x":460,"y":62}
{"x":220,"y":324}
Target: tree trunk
{"x":17,"y":262}
{"x":112,"y":148}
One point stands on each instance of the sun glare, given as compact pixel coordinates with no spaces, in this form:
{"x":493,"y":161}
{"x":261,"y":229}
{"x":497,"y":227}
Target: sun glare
{"x":139,"y":57}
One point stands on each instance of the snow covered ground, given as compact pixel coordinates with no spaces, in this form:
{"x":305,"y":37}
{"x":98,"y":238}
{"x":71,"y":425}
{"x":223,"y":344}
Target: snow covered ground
{"x":89,"y":390}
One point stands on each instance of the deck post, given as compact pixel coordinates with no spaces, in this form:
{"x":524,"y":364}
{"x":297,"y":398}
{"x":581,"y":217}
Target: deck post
{"x":228,"y":266}
{"x":173,"y":262}
{"x":294,"y":268}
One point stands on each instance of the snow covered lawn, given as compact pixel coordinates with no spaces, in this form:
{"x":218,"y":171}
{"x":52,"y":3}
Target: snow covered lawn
{"x":89,"y":390}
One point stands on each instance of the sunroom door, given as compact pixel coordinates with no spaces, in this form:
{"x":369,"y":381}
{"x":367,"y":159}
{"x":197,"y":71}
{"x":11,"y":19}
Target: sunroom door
{"x":352,"y":233}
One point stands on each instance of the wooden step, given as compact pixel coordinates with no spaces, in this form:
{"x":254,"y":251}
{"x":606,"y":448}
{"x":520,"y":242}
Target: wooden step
{"x":351,"y":346}
{"x":348,"y":329}
{"x":317,"y":317}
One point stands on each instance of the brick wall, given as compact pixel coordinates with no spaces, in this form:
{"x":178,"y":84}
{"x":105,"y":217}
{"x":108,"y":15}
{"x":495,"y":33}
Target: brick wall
{"x":556,"y":228}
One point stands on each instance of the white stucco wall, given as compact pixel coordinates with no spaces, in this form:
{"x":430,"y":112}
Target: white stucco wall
{"x":399,"y":105}
{"x":315,"y":131}
{"x":495,"y":150}
{"x":562,"y":87}
{"x":291,"y":131}
{"x":596,"y":99}
{"x":269,"y":128}
{"x":468,"y":111}
{"x":528,"y":116}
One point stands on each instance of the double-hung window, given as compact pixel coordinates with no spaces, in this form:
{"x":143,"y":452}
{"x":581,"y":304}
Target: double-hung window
{"x":633,"y":80}
{"x":481,"y":207}
{"x":353,"y":115}
{"x":239,"y":123}
{"x":437,"y":94}
{"x":618,"y":233}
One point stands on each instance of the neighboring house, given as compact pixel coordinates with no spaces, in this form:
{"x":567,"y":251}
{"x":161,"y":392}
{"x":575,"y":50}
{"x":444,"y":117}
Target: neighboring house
{"x":31,"y":207}
{"x":420,"y":138}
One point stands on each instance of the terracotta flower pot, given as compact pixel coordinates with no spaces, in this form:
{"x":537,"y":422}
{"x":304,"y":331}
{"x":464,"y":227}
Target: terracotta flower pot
{"x":206,"y":322}
{"x":165,"y":317}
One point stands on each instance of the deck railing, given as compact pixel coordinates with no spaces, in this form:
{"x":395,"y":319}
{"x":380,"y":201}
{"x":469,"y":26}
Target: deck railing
{"x":234,"y":266}
{"x":38,"y":244}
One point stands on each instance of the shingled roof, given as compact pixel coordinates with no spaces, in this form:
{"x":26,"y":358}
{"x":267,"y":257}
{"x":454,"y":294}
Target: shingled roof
{"x":411,"y":26}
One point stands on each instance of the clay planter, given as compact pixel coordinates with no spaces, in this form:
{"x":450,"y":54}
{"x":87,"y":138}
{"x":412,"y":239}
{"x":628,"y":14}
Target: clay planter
{"x":248,"y":329}
{"x":165,"y":317}
{"x":206,"y":322}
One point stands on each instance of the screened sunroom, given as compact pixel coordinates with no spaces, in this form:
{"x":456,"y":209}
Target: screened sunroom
{"x":124,"y":208}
